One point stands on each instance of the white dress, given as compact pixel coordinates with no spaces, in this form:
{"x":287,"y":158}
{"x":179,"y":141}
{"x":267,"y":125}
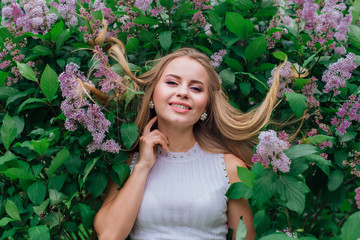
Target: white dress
{"x":184,"y":197}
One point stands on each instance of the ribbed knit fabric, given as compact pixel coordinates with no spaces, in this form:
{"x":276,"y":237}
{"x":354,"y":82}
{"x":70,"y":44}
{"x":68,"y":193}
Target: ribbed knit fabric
{"x":184,"y":197}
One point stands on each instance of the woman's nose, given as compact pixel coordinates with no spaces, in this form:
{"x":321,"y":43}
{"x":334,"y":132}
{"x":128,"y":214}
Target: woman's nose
{"x":182,"y":92}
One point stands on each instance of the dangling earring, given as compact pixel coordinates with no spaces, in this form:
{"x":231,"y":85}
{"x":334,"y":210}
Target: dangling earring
{"x":151,"y":105}
{"x":203,"y":116}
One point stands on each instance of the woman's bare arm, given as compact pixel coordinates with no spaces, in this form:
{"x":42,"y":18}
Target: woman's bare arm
{"x":117,"y":215}
{"x":238,"y":207}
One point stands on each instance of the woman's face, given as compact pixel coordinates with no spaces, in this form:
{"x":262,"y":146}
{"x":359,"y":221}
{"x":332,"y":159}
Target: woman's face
{"x":181,"y":94}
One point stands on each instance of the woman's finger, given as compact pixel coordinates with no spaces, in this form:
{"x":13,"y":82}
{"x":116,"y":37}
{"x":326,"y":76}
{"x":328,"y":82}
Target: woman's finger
{"x":148,"y":126}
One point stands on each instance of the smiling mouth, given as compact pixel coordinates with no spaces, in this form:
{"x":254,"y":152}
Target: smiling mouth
{"x":180,"y":106}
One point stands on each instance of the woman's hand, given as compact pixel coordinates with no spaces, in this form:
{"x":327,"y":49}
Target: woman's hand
{"x":148,"y":142}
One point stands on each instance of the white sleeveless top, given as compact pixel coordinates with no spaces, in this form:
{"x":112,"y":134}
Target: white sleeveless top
{"x":184,"y":197}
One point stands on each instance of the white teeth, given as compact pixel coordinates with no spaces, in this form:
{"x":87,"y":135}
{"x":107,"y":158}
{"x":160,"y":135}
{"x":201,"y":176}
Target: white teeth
{"x":180,"y":106}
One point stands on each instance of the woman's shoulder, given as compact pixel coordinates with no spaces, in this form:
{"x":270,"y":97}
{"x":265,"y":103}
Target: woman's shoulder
{"x":231,"y":163}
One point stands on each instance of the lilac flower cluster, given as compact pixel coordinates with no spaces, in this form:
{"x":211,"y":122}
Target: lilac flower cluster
{"x":349,"y":111}
{"x":270,"y":149}
{"x":109,"y":79}
{"x":198,"y":19}
{"x":217,"y":58}
{"x":339,"y":73}
{"x":278,"y":21}
{"x":286,"y":75}
{"x":67,"y":9}
{"x":357,"y":197}
{"x":143,"y":5}
{"x":96,"y":25}
{"x":308,"y":91}
{"x":354,"y":164}
{"x":325,"y":25}
{"x":78,"y":109}
{"x":31,"y":16}
{"x":126,"y":21}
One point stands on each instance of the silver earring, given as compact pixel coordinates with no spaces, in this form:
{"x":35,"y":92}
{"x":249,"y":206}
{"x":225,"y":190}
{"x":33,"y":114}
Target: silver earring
{"x":151,"y":105}
{"x":203,"y":116}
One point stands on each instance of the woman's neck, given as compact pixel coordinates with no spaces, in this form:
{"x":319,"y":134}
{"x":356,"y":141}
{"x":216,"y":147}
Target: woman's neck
{"x":181,"y":139}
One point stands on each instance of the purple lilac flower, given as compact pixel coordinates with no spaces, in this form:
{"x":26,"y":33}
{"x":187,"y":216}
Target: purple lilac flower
{"x":285,"y":78}
{"x":33,"y":16}
{"x":156,"y":11}
{"x":67,"y":9}
{"x":357,"y":197}
{"x":78,"y":110}
{"x":349,"y":111}
{"x":339,"y":73}
{"x":109,"y":79}
{"x":308,"y":91}
{"x":217,"y":58}
{"x":142,"y":4}
{"x":270,"y":151}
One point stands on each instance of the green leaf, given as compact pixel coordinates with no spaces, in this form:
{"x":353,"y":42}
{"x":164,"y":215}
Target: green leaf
{"x":255,"y":49}
{"x":264,"y":186}
{"x":40,"y":146}
{"x":277,"y":236}
{"x":246,"y":176}
{"x":238,"y":25}
{"x":18,"y":173}
{"x":56,"y":197}
{"x":280,"y":55}
{"x":318,"y":139}
{"x":97,"y":15}
{"x":12,"y":210}
{"x":168,"y":4}
{"x":26,"y":71}
{"x":182,"y":10}
{"x":8,"y":131}
{"x":87,"y":214}
{"x":147,"y":37}
{"x":296,"y":151}
{"x":49,"y":83}
{"x":293,"y":192}
{"x":29,"y":101}
{"x":54,"y":218}
{"x":42,"y":50}
{"x":321,"y":162}
{"x":262,"y":222}
{"x":6,"y":92}
{"x":146,"y":20}
{"x":58,"y":160}
{"x":36,"y":192}
{"x":266,"y":11}
{"x":3,"y":76}
{"x":355,"y":11}
{"x":245,"y":88}
{"x":62,"y":38}
{"x":129,"y":134}
{"x":57,"y":30}
{"x":244,"y":4}
{"x":39,"y":233}
{"x":228,"y":78}
{"x":215,"y":21}
{"x":297,"y":103}
{"x":241,"y":230}
{"x":335,"y":180}
{"x":239,"y":190}
{"x":18,"y":95}
{"x":73,"y":164}
{"x":351,"y":230}
{"x":5,"y":220}
{"x":97,"y":183}
{"x":41,"y":209}
{"x":307,"y":61}
{"x":234,"y":64}
{"x":123,"y":172}
{"x":133,"y":44}
{"x":301,"y":82}
{"x":8,"y":156}
{"x":89,"y":167}
{"x":354,"y":35}
{"x":165,"y":40}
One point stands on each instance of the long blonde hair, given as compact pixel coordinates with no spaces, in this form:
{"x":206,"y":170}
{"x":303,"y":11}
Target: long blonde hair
{"x":227,"y":129}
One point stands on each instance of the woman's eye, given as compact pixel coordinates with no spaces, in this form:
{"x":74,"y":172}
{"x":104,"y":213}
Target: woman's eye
{"x":171,"y":82}
{"x":197,"y":89}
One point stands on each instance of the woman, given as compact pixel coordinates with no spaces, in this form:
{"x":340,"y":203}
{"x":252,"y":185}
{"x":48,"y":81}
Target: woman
{"x":192,"y":141}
